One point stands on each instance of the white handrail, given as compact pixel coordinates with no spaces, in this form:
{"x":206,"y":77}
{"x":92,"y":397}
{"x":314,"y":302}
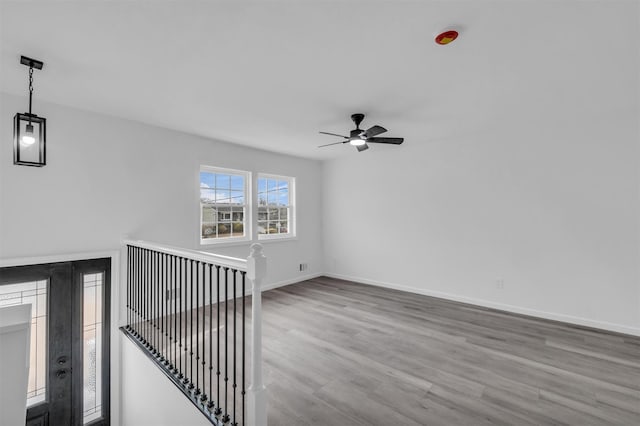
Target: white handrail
{"x":202,"y":256}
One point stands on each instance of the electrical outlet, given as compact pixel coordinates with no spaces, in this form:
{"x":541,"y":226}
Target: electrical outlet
{"x":500,"y":284}
{"x":304,"y":267}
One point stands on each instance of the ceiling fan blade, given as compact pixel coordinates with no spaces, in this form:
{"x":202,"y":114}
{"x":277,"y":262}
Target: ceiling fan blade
{"x":362,"y":147}
{"x":334,"y":134}
{"x":395,"y":141}
{"x":372,"y":131}
{"x":335,"y":143}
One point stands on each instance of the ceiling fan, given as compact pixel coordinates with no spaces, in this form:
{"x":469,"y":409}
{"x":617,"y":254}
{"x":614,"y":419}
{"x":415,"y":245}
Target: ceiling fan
{"x":359,"y":138}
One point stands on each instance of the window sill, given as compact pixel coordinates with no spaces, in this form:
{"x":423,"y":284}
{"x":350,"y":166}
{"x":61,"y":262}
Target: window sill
{"x":262,"y":240}
{"x":225,"y":243}
{"x":245,"y":241}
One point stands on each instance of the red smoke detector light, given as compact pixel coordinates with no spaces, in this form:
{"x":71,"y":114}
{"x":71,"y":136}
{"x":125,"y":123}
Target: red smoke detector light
{"x":446,"y":37}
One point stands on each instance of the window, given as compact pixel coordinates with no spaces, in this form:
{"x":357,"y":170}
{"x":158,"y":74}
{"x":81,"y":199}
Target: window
{"x":223,"y":205}
{"x":92,"y":331}
{"x":275,"y":206}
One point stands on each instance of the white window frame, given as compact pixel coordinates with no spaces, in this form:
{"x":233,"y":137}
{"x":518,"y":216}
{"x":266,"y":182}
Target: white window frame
{"x":291,"y":219}
{"x":248,"y":211}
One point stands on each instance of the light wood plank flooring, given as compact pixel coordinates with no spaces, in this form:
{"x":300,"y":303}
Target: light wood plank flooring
{"x":342,"y":353}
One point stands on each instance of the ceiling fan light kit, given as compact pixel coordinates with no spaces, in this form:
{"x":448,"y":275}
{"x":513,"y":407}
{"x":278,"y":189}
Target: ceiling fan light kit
{"x":359,"y":138}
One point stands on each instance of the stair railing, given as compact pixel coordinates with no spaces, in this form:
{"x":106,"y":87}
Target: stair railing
{"x":187,"y":311}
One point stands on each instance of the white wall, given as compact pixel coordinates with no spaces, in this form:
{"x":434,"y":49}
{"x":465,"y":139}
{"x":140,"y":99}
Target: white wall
{"x":556,"y":219}
{"x":106,"y":178}
{"x":148,"y":397}
{"x":538,"y":189}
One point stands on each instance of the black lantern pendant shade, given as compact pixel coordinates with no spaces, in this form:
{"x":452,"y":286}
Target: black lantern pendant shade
{"x":29,"y":130}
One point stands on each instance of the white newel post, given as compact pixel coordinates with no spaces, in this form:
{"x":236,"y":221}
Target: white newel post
{"x":257,"y":394}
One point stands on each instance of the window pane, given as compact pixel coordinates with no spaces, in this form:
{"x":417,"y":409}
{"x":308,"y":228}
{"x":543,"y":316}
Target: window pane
{"x":262,"y":186}
{"x":237,"y":182}
{"x":272,"y":198}
{"x":208,"y":214}
{"x":223,"y":181}
{"x":224,"y":229}
{"x":237,"y":197}
{"x":284,"y":228}
{"x":272,"y":185}
{"x":208,"y":230}
{"x":34,"y":293}
{"x":271,"y":228}
{"x":283,"y":185}
{"x":207,"y":180}
{"x":273,"y":214}
{"x":283,"y":198}
{"x":238,"y":229}
{"x":207,"y":195}
{"x":222,"y":196}
{"x":262,"y":227}
{"x":237,"y":215}
{"x":92,"y":346}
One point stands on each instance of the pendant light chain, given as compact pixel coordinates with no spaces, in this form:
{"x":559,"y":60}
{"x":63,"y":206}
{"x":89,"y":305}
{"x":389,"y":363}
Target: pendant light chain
{"x":30,"y":87}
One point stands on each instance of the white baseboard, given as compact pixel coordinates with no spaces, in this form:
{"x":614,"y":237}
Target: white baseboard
{"x":271,"y":286}
{"x":602,"y":325}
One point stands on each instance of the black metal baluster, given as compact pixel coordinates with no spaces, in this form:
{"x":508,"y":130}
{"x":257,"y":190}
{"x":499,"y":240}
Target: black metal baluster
{"x":197,"y":391}
{"x":154,"y":316}
{"x":219,"y":408}
{"x":166,"y":348}
{"x":129,"y":267}
{"x":145,"y":298}
{"x":203,"y":398}
{"x":167,"y":311}
{"x":181,"y":284}
{"x":156,"y":304}
{"x":186,"y":336}
{"x":235,"y":385}
{"x":131,"y":261}
{"x":175,"y":315}
{"x":136,"y":300}
{"x":152,"y":334}
{"x":244,"y":298}
{"x":141,"y":294}
{"x":167,"y":307}
{"x":137,"y":296}
{"x":191,"y":327}
{"x":149,"y":303}
{"x":157,"y":317}
{"x":163,"y":309}
{"x":210,"y":404}
{"x":225,"y":418}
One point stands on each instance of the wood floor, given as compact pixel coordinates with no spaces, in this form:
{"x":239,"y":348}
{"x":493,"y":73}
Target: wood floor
{"x":341,"y":353}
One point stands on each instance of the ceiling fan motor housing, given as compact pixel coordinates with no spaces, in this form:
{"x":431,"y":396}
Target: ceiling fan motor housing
{"x":357,"y":118}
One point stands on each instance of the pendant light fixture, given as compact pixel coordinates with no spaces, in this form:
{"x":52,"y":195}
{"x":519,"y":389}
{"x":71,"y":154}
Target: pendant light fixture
{"x":29,"y":130}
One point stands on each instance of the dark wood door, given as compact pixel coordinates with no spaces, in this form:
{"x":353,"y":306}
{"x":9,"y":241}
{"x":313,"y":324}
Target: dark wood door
{"x":58,"y":293}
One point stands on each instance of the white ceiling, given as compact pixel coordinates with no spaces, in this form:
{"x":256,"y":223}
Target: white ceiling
{"x":271,"y":74}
